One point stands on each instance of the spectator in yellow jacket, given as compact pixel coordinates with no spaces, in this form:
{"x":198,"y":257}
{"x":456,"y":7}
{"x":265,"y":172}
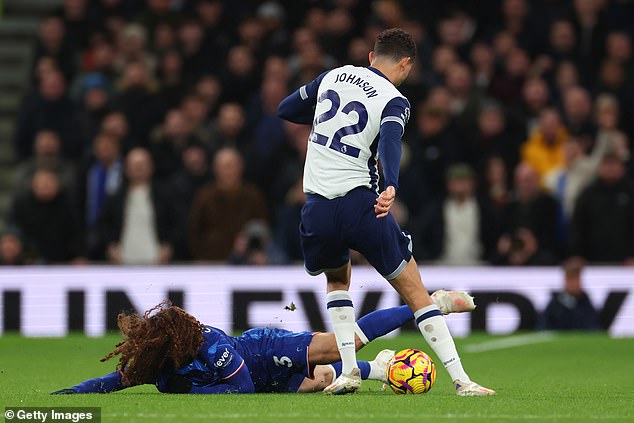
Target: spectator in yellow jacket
{"x":544,"y":149}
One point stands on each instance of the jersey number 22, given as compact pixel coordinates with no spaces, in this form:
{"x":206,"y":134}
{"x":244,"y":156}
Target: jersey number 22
{"x":337,"y":144}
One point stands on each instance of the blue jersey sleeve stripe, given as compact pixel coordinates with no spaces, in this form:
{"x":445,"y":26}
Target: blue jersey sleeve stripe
{"x":234,"y":373}
{"x":302,"y":92}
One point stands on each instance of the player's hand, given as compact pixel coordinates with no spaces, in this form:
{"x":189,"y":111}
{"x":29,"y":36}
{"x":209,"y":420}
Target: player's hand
{"x":64,"y":392}
{"x":384,"y":202}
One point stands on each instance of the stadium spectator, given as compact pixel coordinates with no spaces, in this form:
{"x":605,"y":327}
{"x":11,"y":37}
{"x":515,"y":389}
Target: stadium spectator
{"x":495,"y":136}
{"x":138,"y":101}
{"x":137,"y":224}
{"x":603,"y":221}
{"x":169,"y":141}
{"x":435,"y":145}
{"x":535,"y":97}
{"x":253,"y":246}
{"x":566,"y":76}
{"x":482,"y":58}
{"x":97,"y":59}
{"x":12,"y":248}
{"x":544,"y":149}
{"x":268,"y":134}
{"x":578,"y":171}
{"x":95,"y":98}
{"x":221,"y":210}
{"x":288,"y":195}
{"x":196,"y":110}
{"x":578,"y":111}
{"x":184,"y":184}
{"x":563,"y":41}
{"x":52,"y":43}
{"x":79,"y":28}
{"x":507,"y":86}
{"x":47,"y":108}
{"x":46,"y":217}
{"x":466,"y":101}
{"x":590,"y":25}
{"x":458,"y":229}
{"x":496,"y":184}
{"x":101,"y":177}
{"x":132,"y":48}
{"x":229,"y":128}
{"x":194,"y":54}
{"x":47,"y":156}
{"x":571,"y":308}
{"x":528,"y":224}
{"x":173,"y":82}
{"x":240,"y":74}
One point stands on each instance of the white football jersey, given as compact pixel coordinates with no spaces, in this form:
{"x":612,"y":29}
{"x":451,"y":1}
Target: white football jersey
{"x":352,"y":103}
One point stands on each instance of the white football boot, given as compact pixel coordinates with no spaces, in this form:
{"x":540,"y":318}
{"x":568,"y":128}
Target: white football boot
{"x":472,"y":389}
{"x":381,"y":361}
{"x":453,"y":301}
{"x":345,"y":383}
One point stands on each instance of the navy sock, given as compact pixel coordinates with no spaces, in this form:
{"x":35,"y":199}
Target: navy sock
{"x":381,"y":322}
{"x":364,"y":366}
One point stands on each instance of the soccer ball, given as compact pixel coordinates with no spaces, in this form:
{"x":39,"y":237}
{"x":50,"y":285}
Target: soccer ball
{"x":411,"y":372}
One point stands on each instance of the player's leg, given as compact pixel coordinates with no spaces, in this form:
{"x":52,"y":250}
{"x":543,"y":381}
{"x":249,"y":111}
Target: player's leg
{"x":433,"y":327}
{"x":324,"y":252}
{"x":389,"y":251}
{"x":341,"y":311}
{"x":324,"y":375}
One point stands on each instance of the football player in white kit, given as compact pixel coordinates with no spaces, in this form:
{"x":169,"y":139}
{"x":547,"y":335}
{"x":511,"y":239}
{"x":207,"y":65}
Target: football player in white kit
{"x":358,"y":115}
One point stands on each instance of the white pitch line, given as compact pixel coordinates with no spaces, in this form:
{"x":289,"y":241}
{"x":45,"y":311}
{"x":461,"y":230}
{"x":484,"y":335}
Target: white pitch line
{"x":510,"y":342}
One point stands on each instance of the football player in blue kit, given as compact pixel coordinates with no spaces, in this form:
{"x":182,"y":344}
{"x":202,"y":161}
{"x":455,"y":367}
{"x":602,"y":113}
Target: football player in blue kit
{"x":169,"y":348}
{"x":358,"y":115}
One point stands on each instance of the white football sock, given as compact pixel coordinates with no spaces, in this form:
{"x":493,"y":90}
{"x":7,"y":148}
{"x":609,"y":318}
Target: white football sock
{"x":432,"y":325}
{"x":376,"y":372}
{"x":341,"y":312}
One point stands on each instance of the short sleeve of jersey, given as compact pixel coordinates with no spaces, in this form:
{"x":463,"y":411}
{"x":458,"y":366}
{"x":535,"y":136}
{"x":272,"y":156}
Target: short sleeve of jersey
{"x":224,"y":359}
{"x":396,"y":110}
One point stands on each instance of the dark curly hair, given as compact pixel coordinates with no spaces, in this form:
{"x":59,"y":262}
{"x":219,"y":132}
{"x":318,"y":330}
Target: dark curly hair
{"x":165,"y":336}
{"x":396,"y":44}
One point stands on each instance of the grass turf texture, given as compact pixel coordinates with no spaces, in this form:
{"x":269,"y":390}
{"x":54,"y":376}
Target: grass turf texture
{"x":569,"y":378}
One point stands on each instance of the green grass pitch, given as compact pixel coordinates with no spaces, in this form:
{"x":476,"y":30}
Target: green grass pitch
{"x":566,"y":378}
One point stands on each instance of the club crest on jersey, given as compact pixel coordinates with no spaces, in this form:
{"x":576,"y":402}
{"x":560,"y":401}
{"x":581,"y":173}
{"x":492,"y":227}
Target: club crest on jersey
{"x":405,"y":115}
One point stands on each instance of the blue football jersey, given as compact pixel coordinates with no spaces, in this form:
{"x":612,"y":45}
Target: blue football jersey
{"x":277,"y":359}
{"x":218,"y":360}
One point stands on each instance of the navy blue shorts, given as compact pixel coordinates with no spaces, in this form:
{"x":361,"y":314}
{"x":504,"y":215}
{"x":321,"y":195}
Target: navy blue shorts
{"x":330,"y":228}
{"x":277,"y":359}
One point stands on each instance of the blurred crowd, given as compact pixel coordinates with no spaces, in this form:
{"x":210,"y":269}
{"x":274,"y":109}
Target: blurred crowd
{"x":149,"y":135}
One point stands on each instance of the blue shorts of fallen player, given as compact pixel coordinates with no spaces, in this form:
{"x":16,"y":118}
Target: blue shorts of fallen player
{"x":330,"y":228}
{"x":278,"y":359}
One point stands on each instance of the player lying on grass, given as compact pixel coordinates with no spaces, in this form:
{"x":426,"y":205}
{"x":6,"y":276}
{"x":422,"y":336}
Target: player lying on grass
{"x":169,"y":348}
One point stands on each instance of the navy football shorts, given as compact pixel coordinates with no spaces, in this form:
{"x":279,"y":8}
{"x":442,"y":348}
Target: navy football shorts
{"x":330,"y":228}
{"x":278,"y":359}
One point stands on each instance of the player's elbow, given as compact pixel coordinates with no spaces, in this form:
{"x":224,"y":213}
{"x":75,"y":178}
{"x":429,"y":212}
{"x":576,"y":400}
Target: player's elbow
{"x":284,"y":110}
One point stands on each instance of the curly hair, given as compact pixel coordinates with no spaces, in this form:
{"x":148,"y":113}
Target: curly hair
{"x":165,"y":336}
